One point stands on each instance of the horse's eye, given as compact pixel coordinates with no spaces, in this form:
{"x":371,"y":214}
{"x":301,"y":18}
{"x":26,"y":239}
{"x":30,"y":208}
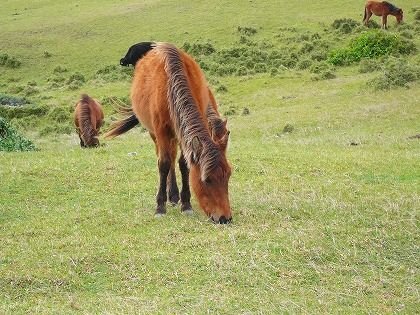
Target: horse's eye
{"x":208,"y":181}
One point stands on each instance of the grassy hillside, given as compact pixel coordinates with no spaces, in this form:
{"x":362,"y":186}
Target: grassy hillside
{"x":325,"y":187}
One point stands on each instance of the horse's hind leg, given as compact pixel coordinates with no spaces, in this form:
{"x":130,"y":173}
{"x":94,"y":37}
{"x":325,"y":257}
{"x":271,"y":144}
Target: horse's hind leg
{"x":164,"y":165}
{"x":185,"y":191}
{"x":173,"y":192}
{"x":164,"y":138}
{"x":384,"y":20}
{"x":368,"y":14}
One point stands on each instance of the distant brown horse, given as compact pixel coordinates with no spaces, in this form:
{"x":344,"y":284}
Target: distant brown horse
{"x":170,"y":98}
{"x":383,"y":9}
{"x":88,"y":118}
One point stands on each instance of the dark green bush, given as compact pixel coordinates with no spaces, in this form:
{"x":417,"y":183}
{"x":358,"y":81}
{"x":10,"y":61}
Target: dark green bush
{"x":198,"y":49}
{"x":11,"y":140}
{"x":396,"y":73}
{"x":75,"y":81}
{"x":345,"y":25}
{"x":13,"y":100}
{"x":59,"y":114}
{"x":369,"y":65}
{"x":114,"y":73}
{"x":9,"y":112}
{"x":8,"y":61}
{"x":304,"y":64}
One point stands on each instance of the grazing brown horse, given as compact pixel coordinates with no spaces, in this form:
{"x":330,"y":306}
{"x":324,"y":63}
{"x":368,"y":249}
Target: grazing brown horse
{"x":170,"y":98}
{"x":88,"y":118}
{"x":383,"y":9}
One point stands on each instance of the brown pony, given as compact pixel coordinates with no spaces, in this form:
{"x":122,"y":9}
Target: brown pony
{"x":383,"y":9}
{"x":88,"y":118}
{"x":170,"y":98}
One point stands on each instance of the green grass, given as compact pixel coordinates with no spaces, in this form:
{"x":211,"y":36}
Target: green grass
{"x":320,"y":225}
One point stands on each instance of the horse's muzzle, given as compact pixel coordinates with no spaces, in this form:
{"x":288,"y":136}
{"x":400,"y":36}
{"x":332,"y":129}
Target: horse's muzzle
{"x":222,"y":220}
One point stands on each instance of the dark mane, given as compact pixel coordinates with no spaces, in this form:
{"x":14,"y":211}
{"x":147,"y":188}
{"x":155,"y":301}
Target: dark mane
{"x":88,"y":133}
{"x":184,"y":113}
{"x":392,"y":8}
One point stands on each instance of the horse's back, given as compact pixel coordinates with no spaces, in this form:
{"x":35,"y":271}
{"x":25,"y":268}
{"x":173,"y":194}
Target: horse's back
{"x":96,"y":114}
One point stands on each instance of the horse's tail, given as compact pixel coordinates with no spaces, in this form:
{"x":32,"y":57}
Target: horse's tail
{"x":364,"y":17}
{"x":85,"y":123}
{"x":136,"y":52}
{"x":124,"y":125}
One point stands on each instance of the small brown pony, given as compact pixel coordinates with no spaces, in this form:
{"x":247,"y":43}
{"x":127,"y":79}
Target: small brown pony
{"x":170,"y":98}
{"x":88,"y":118}
{"x":383,"y":9}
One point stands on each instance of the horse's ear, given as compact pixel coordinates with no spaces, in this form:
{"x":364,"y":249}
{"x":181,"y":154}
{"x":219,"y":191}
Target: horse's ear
{"x":225,"y":122}
{"x":224,"y":141}
{"x":197,"y":148}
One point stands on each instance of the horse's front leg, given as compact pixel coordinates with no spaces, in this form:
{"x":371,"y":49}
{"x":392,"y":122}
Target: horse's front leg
{"x":185,"y":191}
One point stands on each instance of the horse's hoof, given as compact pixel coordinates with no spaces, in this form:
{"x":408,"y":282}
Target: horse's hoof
{"x":159,"y":215}
{"x":188,"y":212}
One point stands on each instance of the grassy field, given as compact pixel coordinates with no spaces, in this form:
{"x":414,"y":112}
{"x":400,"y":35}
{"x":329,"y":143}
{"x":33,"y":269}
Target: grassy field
{"x":326,"y":216}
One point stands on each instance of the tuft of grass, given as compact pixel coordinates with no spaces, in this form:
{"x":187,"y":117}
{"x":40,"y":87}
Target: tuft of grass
{"x":246,"y":30}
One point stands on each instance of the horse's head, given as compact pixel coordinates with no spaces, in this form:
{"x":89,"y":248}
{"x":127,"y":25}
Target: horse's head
{"x":209,"y":178}
{"x":93,"y":142}
{"x":124,"y":62}
{"x":399,"y":16}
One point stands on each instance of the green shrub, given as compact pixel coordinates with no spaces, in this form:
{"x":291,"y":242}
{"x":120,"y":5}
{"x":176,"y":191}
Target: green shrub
{"x":371,"y":44}
{"x":11,"y":140}
{"x":8,"y":61}
{"x":417,"y":15}
{"x":59,"y":114}
{"x":304,"y":64}
{"x":368,"y":65}
{"x":12,"y":100}
{"x":9,"y":112}
{"x":345,"y":25}
{"x":396,"y":73}
{"x":114,"y":73}
{"x":75,"y":81}
{"x":197,"y":49}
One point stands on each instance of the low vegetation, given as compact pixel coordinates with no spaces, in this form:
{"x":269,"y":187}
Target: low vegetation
{"x":11,"y":140}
